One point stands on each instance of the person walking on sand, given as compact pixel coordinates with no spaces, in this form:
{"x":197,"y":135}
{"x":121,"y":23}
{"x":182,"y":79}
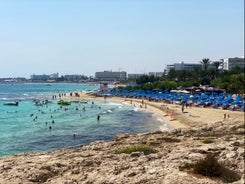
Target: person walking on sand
{"x":183,"y":106}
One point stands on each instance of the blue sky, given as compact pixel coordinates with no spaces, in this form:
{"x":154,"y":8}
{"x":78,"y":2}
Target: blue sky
{"x":137,"y":36}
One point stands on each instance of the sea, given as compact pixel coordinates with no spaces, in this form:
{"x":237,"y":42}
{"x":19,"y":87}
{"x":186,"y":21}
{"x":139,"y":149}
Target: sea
{"x":29,"y":127}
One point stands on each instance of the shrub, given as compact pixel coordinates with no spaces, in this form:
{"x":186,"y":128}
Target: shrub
{"x":208,"y":140}
{"x":210,"y":167}
{"x":141,"y":148}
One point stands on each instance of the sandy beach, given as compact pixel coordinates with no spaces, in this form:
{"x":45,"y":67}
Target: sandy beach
{"x":172,"y":113}
{"x":174,"y":150}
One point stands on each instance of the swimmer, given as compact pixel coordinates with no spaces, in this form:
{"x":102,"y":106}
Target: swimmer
{"x":98,"y":117}
{"x":50,"y":127}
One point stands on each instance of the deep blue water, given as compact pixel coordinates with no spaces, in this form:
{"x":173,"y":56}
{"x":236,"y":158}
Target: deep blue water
{"x":25,"y":127}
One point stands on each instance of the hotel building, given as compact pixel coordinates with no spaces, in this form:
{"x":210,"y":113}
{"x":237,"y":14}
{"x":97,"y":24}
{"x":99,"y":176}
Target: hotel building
{"x":229,"y":63}
{"x":111,"y":76}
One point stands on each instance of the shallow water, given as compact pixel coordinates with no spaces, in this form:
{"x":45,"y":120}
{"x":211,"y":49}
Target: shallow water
{"x":26,"y":127}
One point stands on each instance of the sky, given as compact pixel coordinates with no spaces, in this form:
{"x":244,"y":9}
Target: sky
{"x":136,"y":36}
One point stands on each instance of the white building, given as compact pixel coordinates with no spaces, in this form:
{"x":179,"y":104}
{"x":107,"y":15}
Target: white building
{"x":74,"y":77}
{"x":229,"y":63}
{"x":186,"y":66}
{"x":183,"y":66}
{"x":111,"y":76}
{"x":54,"y":76}
{"x":156,"y":74}
{"x":134,"y":75}
{"x":39,"y":78}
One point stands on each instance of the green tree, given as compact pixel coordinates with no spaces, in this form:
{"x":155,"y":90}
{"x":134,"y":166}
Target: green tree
{"x":205,"y":62}
{"x":142,"y":79}
{"x":216,"y":65}
{"x":172,"y":74}
{"x":159,"y":85}
{"x":182,"y":74}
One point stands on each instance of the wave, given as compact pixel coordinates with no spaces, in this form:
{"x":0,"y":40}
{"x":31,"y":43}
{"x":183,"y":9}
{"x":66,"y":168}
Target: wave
{"x":114,"y":103}
{"x":136,"y":109}
{"x":4,"y":99}
{"x":164,"y":127}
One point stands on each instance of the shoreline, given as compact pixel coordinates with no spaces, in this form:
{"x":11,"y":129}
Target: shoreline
{"x":175,"y":149}
{"x":173,"y":115}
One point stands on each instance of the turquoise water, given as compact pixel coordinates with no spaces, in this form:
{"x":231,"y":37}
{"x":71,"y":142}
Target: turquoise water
{"x":26,"y":127}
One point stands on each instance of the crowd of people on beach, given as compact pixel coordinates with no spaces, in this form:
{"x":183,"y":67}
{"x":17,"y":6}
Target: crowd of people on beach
{"x":199,"y":99}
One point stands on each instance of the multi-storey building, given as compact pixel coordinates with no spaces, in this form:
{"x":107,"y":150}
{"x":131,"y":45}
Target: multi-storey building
{"x":74,"y":77}
{"x":156,"y":74}
{"x":39,"y":78}
{"x":183,"y":66}
{"x":186,"y":66}
{"x":111,"y":76}
{"x":134,"y":75}
{"x":229,"y":63}
{"x":54,"y":76}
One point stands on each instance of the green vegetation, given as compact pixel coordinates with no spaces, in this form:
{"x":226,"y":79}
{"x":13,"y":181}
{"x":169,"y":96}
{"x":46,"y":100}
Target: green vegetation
{"x":208,"y":140}
{"x":233,"y":81}
{"x":136,"y":148}
{"x":205,"y":63}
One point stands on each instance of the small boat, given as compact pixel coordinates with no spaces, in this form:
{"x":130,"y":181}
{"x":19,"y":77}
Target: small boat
{"x":62,"y":102}
{"x":12,"y":103}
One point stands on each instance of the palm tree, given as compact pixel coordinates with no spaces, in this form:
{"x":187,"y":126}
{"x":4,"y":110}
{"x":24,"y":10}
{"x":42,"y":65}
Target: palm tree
{"x":205,"y":63}
{"x":217,"y":64}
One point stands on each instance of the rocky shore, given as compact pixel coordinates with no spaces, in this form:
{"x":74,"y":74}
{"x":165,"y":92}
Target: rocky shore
{"x":99,"y":163}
